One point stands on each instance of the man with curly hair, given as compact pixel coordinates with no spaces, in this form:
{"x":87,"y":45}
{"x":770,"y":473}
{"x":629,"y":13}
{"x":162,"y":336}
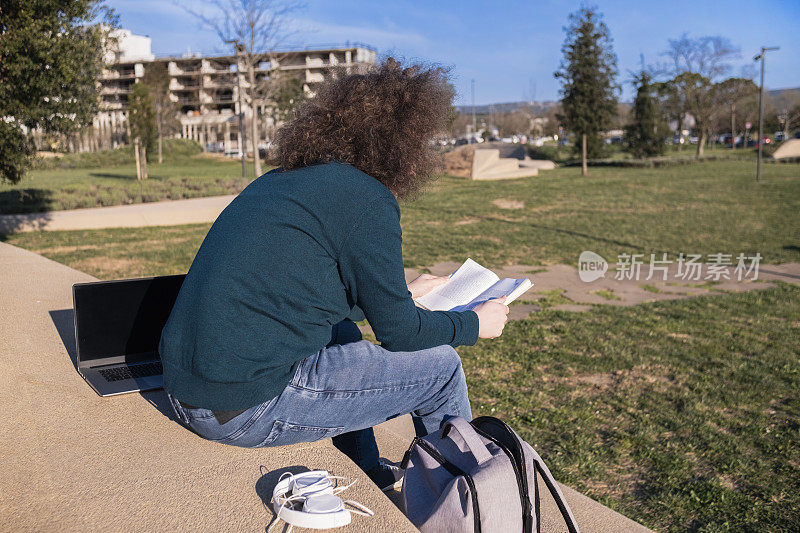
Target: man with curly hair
{"x":260,"y":348}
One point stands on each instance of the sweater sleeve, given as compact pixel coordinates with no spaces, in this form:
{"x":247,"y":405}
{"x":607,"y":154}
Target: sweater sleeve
{"x":371,"y":267}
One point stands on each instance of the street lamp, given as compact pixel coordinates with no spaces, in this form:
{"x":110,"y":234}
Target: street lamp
{"x":238,"y":48}
{"x":761,"y":56}
{"x":474,"y":124}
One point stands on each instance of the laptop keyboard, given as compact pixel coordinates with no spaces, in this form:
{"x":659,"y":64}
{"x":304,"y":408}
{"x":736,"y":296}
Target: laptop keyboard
{"x":129,"y":372}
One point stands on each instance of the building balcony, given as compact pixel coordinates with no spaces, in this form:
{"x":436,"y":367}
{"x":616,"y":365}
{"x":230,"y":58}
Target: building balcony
{"x":176,"y":86}
{"x":110,"y":89}
{"x":118,"y":75}
{"x":175,"y":70}
{"x":219,"y":84}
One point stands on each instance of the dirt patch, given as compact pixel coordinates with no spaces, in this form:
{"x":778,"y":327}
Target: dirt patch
{"x":67,"y":249}
{"x":603,"y":379}
{"x":104,"y":266}
{"x":634,"y":377}
{"x":458,"y":162}
{"x":467,"y":220}
{"x":504,"y":203}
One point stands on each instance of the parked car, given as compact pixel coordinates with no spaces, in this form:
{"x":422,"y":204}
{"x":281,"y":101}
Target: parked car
{"x":233,"y":153}
{"x":779,"y":136}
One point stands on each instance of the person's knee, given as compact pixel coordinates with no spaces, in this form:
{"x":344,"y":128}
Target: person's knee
{"x":450,"y":360}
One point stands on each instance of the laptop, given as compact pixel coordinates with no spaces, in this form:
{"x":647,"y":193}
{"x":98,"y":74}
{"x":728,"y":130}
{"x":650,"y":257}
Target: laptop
{"x":117,"y":330}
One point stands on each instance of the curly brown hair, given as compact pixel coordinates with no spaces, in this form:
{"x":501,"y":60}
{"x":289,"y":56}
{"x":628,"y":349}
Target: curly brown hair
{"x":381,"y":121}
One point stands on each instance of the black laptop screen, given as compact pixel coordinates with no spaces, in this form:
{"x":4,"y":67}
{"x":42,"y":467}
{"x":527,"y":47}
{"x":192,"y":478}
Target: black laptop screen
{"x":123,"y":318}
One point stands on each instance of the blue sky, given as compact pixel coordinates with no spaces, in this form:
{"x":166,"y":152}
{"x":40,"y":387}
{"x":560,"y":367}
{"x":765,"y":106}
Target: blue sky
{"x":507,"y":47}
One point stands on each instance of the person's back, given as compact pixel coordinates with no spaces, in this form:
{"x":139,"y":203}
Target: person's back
{"x":264,"y":291}
{"x":257,"y":350}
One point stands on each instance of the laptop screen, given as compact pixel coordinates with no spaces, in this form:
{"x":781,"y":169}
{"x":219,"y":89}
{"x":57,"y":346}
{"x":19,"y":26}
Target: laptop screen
{"x":124,"y":317}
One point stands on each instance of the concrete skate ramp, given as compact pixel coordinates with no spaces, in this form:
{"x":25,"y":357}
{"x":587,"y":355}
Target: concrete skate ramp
{"x":790,"y":148}
{"x":507,"y":150}
{"x":488,"y":165}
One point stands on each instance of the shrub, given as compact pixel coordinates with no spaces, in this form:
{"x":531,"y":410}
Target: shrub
{"x":173,"y":149}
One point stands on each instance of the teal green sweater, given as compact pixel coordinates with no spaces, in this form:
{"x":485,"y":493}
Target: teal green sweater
{"x":296,"y":252}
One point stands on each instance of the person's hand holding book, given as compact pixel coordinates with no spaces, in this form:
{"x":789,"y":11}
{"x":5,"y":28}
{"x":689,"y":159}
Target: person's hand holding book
{"x":492,"y":318}
{"x":425,"y":283}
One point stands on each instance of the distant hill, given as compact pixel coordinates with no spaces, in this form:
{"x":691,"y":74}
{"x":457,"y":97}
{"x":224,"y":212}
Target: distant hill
{"x":506,"y":107}
{"x":781,"y":93}
{"x":539,"y":107}
{"x":784,"y":98}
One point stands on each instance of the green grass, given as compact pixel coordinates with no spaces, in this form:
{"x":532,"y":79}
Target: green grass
{"x":180,"y":176}
{"x":606,"y":294}
{"x":617,"y":152}
{"x":651,"y":288}
{"x":683,"y":414}
{"x":703,"y":208}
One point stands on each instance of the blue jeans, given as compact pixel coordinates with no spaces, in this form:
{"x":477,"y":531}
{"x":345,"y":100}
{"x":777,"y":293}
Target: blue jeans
{"x":341,"y":392}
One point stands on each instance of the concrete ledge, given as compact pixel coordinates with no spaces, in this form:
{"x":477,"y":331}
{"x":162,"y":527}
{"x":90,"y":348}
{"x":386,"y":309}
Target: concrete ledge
{"x":73,"y":461}
{"x":488,"y":165}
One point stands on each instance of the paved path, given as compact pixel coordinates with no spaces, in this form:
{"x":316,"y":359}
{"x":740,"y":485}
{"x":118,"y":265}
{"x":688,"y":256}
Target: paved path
{"x":78,"y":462}
{"x":193,"y":211}
{"x":581,"y":296}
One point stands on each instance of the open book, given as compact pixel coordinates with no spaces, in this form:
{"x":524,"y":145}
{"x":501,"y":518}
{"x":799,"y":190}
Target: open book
{"x":471,"y":285}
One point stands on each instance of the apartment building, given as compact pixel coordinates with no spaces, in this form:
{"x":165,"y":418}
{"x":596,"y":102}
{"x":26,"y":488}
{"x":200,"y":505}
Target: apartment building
{"x":205,"y":88}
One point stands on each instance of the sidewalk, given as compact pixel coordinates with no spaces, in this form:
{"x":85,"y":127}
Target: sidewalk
{"x":170,"y":213}
{"x":74,"y":461}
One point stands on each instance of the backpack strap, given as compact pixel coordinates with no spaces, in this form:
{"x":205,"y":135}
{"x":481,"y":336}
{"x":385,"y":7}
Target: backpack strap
{"x":470,"y":436}
{"x":555,"y":491}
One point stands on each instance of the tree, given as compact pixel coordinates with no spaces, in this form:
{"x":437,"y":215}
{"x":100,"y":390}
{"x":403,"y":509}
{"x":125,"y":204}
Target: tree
{"x":734,"y":92}
{"x":700,"y":96}
{"x":645,"y":135}
{"x":259,"y":26}
{"x":672,"y":103}
{"x":587,"y":72}
{"x":787,"y":111}
{"x":695,"y":65}
{"x":142,"y":123}
{"x":288,"y":95}
{"x":165,"y":111}
{"x":51,"y":53}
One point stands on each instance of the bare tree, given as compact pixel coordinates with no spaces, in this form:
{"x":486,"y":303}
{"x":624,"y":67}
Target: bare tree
{"x":260,"y":27}
{"x":695,"y":65}
{"x":787,"y":110}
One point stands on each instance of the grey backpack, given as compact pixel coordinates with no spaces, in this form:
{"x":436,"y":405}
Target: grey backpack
{"x":477,"y":476}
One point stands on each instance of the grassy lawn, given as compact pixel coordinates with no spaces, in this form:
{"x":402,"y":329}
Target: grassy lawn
{"x":71,"y":188}
{"x":704,"y":208}
{"x":683,"y":415}
{"x":680,"y":414}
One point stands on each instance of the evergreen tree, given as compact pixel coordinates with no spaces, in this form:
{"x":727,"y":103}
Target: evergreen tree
{"x":51,"y":53}
{"x":646,"y":134}
{"x":142,"y":122}
{"x":588,"y":89}
{"x":165,"y":111}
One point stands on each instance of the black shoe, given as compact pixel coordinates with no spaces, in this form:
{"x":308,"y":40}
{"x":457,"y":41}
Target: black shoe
{"x":386,"y":476}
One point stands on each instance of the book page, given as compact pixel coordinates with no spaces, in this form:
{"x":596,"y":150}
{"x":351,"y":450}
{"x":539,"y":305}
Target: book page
{"x":509,"y":287}
{"x":465,"y":284}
